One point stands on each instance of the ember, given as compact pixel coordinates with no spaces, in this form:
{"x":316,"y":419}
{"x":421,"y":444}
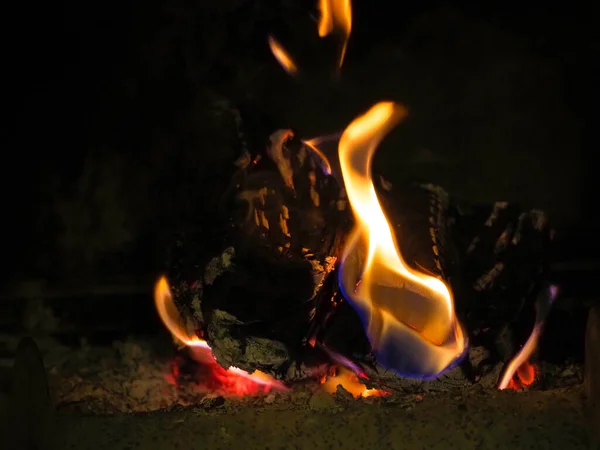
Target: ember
{"x":403,"y":297}
{"x":524,"y":376}
{"x":520,"y":364}
{"x":210,"y":375}
{"x":350,"y":382}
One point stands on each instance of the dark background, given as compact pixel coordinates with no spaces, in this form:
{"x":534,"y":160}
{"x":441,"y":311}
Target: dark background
{"x":112,"y":142}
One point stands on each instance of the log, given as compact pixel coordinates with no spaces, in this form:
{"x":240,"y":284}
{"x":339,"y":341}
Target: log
{"x":283,"y":232}
{"x":494,"y":258}
{"x":270,"y":299}
{"x":505,"y":256}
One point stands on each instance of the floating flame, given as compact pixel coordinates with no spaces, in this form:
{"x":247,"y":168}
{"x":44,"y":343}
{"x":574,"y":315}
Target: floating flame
{"x":409,"y":316}
{"x":233,"y":380}
{"x":336,"y":14}
{"x":284,"y":59}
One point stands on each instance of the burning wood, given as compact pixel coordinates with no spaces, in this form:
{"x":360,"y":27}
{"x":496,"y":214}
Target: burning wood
{"x":212,"y":313}
{"x":408,"y":315}
{"x":271,"y":292}
{"x":255,"y":301}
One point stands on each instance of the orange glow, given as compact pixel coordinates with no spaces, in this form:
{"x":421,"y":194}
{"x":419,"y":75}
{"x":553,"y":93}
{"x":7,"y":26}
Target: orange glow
{"x":520,"y":366}
{"x":349,"y":382}
{"x":524,"y":376}
{"x":336,"y":14}
{"x":232,"y":381}
{"x":409,"y":316}
{"x":284,"y":59}
{"x":519,"y":372}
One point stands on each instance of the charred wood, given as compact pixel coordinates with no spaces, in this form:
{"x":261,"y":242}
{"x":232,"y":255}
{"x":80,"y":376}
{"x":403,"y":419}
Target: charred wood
{"x":283,"y":231}
{"x":495,"y":260}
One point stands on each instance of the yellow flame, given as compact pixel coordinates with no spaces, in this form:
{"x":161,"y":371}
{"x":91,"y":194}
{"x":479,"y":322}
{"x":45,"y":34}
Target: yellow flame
{"x":163,"y":300}
{"x":284,"y":59}
{"x":336,"y":14}
{"x":349,"y":381}
{"x":409,"y":315}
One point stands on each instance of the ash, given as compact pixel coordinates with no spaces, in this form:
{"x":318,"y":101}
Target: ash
{"x":129,"y":377}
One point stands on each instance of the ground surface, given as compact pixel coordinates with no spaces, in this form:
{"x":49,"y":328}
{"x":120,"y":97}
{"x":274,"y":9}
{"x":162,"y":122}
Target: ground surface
{"x":474,"y":420}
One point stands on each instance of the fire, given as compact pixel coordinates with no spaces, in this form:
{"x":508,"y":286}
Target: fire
{"x":349,"y":381}
{"x":336,"y":14}
{"x":519,"y":371}
{"x":524,"y":376}
{"x":520,"y":366}
{"x":232,"y":381}
{"x":282,"y":56}
{"x":408,"y":316}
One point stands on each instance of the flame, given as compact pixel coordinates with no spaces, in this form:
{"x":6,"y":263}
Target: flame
{"x":336,"y":14}
{"x":520,"y":366}
{"x":349,"y":381}
{"x":523,"y":377}
{"x":284,"y":59}
{"x":312,"y":144}
{"x":233,"y":380}
{"x":409,"y":316}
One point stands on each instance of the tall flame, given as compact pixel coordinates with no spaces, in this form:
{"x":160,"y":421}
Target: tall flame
{"x":409,"y":316}
{"x":336,"y":14}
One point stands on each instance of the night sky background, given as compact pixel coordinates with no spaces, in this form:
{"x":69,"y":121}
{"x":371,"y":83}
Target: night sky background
{"x":111,"y":143}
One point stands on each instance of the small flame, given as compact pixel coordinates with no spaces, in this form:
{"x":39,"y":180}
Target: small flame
{"x":284,"y":59}
{"x":233,"y":380}
{"x":409,"y":316}
{"x":312,"y":144}
{"x":349,"y":381}
{"x":163,"y":300}
{"x":525,"y":376}
{"x":336,"y":14}
{"x":520,"y":365}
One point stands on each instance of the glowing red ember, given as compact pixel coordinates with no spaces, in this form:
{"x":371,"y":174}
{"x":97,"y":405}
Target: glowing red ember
{"x":207,"y":374}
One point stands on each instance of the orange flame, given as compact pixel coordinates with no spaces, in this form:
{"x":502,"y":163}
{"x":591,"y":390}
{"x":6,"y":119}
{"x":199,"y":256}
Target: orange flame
{"x":409,"y":316}
{"x":233,"y":380}
{"x":349,"y":381}
{"x":336,"y":14}
{"x":284,"y":59}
